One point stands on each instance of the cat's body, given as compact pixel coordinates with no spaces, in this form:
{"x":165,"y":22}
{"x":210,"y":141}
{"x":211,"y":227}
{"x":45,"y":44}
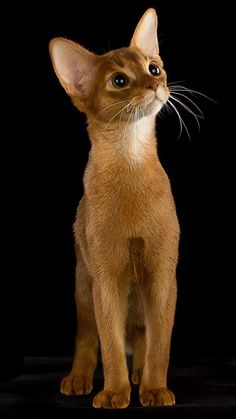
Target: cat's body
{"x":126,"y":229}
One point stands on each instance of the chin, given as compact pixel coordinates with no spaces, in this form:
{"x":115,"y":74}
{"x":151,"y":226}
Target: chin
{"x":154,"y":107}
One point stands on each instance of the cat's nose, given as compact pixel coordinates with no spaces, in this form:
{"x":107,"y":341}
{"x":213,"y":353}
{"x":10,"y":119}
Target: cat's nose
{"x":152,"y":85}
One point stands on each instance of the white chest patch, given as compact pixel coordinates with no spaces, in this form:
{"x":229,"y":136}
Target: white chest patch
{"x":135,"y":144}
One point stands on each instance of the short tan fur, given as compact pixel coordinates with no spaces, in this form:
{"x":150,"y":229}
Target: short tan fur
{"x":126,"y":229}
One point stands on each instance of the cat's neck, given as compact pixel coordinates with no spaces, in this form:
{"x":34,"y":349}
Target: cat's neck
{"x":134,"y":143}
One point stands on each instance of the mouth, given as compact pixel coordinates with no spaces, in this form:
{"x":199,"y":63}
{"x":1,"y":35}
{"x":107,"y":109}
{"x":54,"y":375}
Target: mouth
{"x":162,"y":98}
{"x":163,"y":102}
{"x":154,"y":104}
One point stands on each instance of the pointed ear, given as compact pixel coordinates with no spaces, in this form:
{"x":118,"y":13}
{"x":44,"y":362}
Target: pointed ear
{"x":74,"y":66}
{"x":145,"y":34}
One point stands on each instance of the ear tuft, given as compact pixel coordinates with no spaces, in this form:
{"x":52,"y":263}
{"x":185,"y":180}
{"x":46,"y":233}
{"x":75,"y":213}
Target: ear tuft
{"x":145,"y":34}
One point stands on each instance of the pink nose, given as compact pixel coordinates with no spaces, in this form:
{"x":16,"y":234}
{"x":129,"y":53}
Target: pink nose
{"x":153,"y":85}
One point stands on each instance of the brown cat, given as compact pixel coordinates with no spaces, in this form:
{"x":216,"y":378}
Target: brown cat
{"x":126,"y":229}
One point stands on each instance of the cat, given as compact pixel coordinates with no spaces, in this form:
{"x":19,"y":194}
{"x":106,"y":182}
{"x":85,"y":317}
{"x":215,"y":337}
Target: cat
{"x":126,"y":228}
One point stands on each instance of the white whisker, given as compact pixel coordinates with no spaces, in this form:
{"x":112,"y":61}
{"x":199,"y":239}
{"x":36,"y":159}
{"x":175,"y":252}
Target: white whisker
{"x":121,"y":114}
{"x":181,"y":121}
{"x":202,"y":94}
{"x":179,"y":118}
{"x":187,"y":109}
{"x":191,"y":91}
{"x":166,"y":106}
{"x":174,"y":82}
{"x":117,"y":113}
{"x":107,"y":107}
{"x":190,"y":100}
{"x":127,"y":123}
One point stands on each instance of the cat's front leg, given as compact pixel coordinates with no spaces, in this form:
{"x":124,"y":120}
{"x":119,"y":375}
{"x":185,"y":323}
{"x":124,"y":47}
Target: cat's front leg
{"x":110,"y":301}
{"x":160,"y":301}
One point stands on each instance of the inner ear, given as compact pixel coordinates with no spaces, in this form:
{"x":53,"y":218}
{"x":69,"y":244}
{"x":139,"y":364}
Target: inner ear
{"x":145,"y":34}
{"x":74,"y":66}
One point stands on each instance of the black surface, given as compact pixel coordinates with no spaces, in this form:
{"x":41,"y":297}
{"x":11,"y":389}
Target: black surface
{"x":204,"y":388}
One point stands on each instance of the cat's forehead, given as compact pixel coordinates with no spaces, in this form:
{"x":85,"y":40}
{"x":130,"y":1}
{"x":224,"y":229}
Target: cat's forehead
{"x":126,"y":57}
{"x":123,"y":56}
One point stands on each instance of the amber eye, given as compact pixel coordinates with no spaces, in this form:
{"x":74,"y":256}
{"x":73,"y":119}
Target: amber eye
{"x":120,"y":80}
{"x":154,"y":69}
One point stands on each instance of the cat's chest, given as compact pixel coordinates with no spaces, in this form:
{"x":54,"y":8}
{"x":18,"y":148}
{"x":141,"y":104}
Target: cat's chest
{"x":135,"y":142}
{"x":125,"y":192}
{"x":124,"y":199}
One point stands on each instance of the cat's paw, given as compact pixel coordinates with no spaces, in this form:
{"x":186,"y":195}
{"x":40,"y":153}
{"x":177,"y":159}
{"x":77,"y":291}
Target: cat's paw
{"x":75,"y":384}
{"x":108,"y":399}
{"x":157,"y":397}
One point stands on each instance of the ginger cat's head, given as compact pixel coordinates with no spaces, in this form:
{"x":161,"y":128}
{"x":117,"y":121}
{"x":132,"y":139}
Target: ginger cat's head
{"x":122,"y":85}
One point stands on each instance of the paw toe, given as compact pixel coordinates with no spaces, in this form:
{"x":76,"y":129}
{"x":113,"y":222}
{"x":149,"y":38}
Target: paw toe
{"x":66,"y":386}
{"x":157,"y":397}
{"x":78,"y":385}
{"x":111,"y":400}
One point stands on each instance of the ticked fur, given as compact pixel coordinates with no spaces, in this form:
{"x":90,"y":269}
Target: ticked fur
{"x":126,"y":228}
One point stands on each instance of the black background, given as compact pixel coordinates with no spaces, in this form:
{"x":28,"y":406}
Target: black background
{"x":46,"y":153}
